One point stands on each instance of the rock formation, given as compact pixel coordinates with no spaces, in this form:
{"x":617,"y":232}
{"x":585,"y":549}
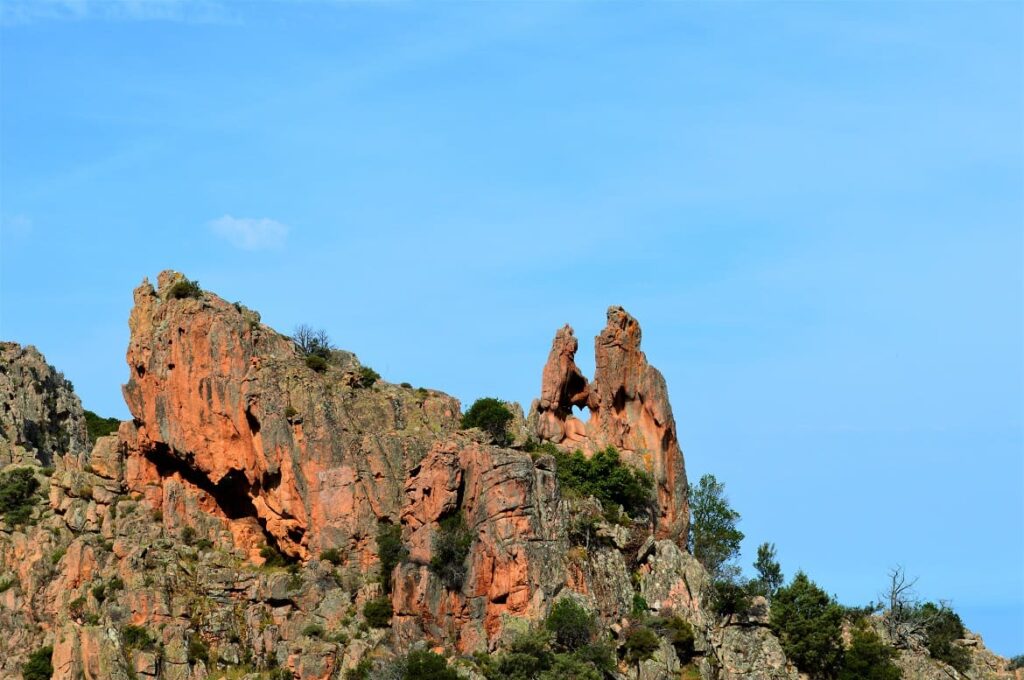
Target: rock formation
{"x":41,"y":417}
{"x":230,"y":528}
{"x":629,"y":409}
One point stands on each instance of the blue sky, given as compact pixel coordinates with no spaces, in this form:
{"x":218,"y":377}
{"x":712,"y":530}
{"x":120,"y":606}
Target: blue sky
{"x":815,"y":210}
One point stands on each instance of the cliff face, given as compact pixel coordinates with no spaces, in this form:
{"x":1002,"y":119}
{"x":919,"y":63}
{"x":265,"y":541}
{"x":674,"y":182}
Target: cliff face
{"x":232,"y":525}
{"x":41,"y":418}
{"x":629,"y":409}
{"x":227,"y":405}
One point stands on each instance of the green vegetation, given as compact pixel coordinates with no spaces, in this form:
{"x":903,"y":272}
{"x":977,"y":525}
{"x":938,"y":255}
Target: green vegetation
{"x":809,"y":625}
{"x":198,"y":650}
{"x":186,"y":288}
{"x":332,"y":555}
{"x":714,"y":539}
{"x":449,"y":551}
{"x":1016,"y":662}
{"x":272,"y":557}
{"x":361,"y":671}
{"x":314,"y":631}
{"x":769,"y":571}
{"x":423,"y":664}
{"x":605,"y":477}
{"x":570,"y":624}
{"x":136,"y":637}
{"x":679,"y":633}
{"x":491,"y":416}
{"x":99,"y":427}
{"x":731,"y":596}
{"x":17,"y":492}
{"x":378,"y":612}
{"x":317,"y":363}
{"x":868,"y":658}
{"x":564,"y":647}
{"x":39,"y":665}
{"x":6,"y":583}
{"x":390,"y":550}
{"x":367,"y":377}
{"x":641,"y":644}
{"x":943,"y":628}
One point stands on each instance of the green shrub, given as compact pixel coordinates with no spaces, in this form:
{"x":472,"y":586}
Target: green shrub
{"x":367,"y":377}
{"x":136,"y":637}
{"x":566,"y":666}
{"x":290,"y":412}
{"x":378,"y":612}
{"x":39,"y":665}
{"x":605,"y":477}
{"x":639,"y":606}
{"x":204,"y":544}
{"x":57,"y":556}
{"x":868,"y":658}
{"x":198,"y":650}
{"x":1016,"y":662}
{"x":423,"y":664}
{"x":314,"y":631}
{"x":185,"y":288}
{"x":272,"y":557}
{"x":570,"y":624}
{"x":98,"y":427}
{"x":406,"y":385}
{"x":491,"y":416}
{"x":641,"y":644}
{"x":714,"y":539}
{"x":332,"y":555}
{"x":678,"y":632}
{"x":390,"y":550}
{"x":527,"y":657}
{"x":317,"y":363}
{"x":449,"y":551}
{"x":99,"y":592}
{"x":942,"y":630}
{"x":188,"y":535}
{"x":17,"y":495}
{"x":361,"y":671}
{"x":809,"y":625}
{"x":731,"y":596}
{"x":6,"y":583}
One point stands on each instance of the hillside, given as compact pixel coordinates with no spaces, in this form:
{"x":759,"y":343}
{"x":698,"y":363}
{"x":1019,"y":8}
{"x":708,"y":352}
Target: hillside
{"x":275,"y":509}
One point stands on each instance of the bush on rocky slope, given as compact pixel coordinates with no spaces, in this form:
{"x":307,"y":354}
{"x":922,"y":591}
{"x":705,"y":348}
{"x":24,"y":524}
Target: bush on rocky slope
{"x":450,"y":549}
{"x":491,"y":416}
{"x":809,"y":625}
{"x":17,"y":495}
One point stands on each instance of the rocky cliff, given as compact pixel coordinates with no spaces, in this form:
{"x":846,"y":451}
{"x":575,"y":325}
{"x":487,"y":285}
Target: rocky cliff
{"x":233,"y":527}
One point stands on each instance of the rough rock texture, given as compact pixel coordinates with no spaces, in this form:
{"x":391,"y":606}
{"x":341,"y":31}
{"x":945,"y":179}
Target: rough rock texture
{"x":629,"y":409}
{"x":155,"y":553}
{"x":41,"y":418}
{"x":227,"y":405}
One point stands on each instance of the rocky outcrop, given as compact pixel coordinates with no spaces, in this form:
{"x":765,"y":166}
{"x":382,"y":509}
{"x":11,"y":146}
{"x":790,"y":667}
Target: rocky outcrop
{"x":226,"y":405}
{"x":516,"y":560}
{"x":41,"y":417}
{"x":629,"y":409}
{"x":230,"y":528}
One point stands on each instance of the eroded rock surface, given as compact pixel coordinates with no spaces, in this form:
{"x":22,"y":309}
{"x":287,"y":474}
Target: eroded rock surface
{"x":41,"y":417}
{"x":230,"y":528}
{"x":629,"y":409}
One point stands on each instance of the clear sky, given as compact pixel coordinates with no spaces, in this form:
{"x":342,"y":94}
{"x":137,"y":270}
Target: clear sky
{"x":815,"y":210}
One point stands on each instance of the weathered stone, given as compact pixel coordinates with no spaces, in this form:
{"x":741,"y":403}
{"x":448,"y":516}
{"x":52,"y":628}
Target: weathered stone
{"x":42,"y":418}
{"x":629,"y":409}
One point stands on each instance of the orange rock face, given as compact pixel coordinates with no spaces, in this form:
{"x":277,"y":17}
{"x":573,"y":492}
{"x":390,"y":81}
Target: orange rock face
{"x":228,"y":408}
{"x":629,"y":409}
{"x":511,"y":507}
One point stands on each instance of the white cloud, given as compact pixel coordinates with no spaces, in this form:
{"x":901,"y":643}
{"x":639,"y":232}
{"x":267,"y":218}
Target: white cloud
{"x":249,"y":233}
